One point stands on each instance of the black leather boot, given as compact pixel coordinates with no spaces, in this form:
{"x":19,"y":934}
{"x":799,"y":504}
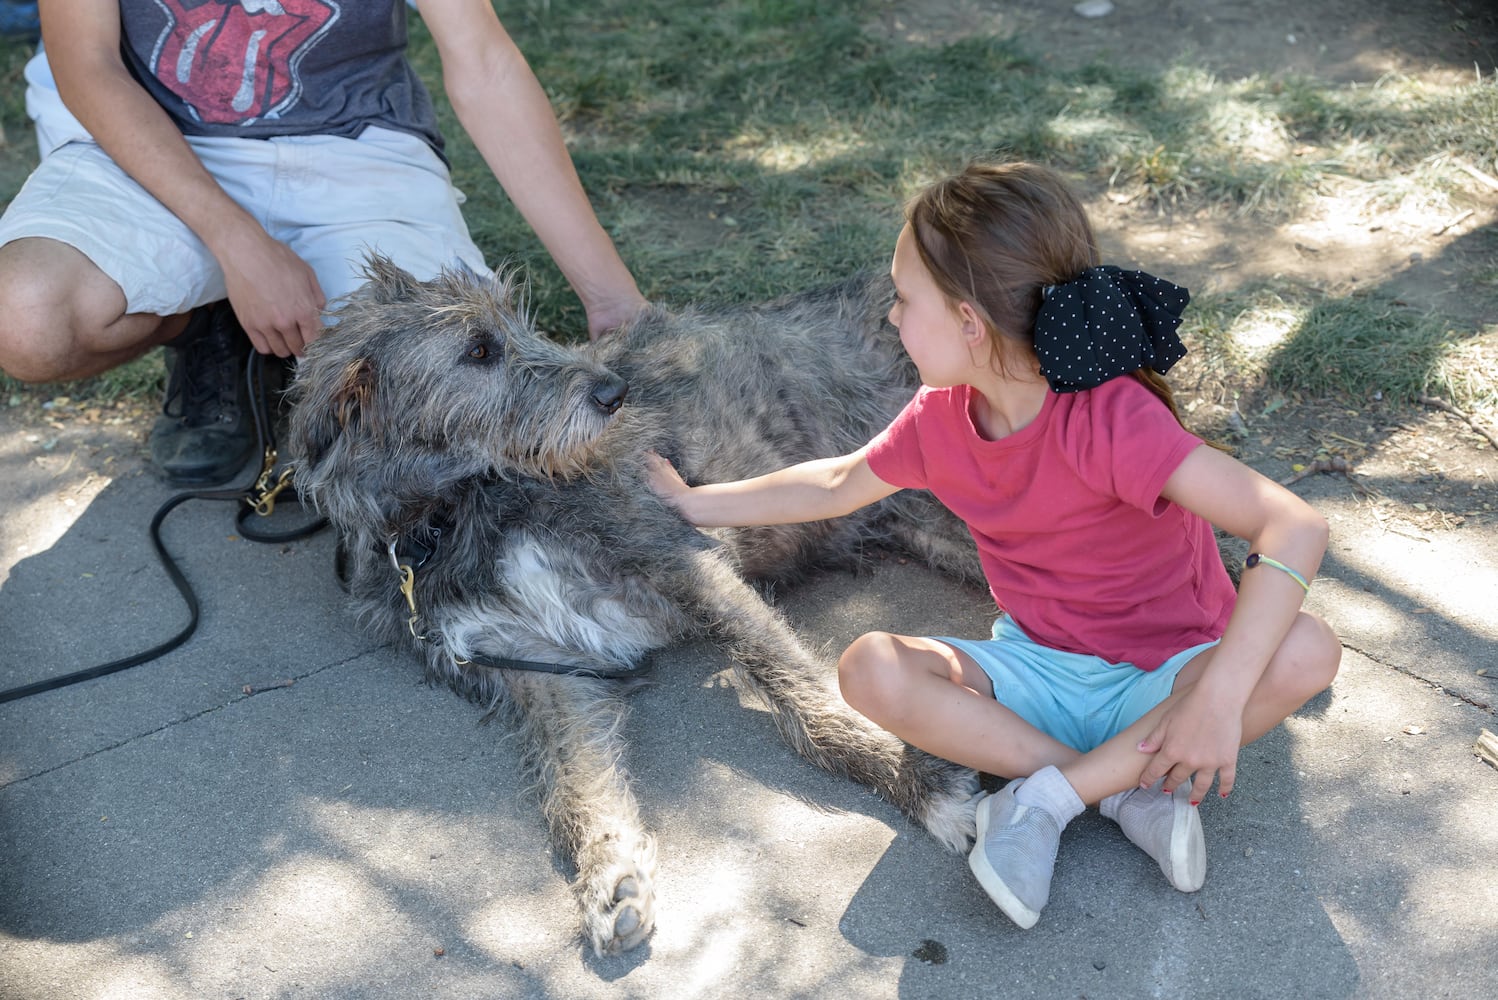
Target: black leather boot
{"x":205,"y":433}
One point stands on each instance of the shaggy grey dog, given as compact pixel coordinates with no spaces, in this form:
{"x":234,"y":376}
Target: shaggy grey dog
{"x":488,"y":487}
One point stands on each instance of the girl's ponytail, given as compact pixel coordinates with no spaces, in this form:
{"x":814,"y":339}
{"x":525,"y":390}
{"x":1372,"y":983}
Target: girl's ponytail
{"x":996,"y":236}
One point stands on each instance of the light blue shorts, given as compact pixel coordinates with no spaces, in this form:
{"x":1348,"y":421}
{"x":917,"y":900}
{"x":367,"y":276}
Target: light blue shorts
{"x":1081,"y":700}
{"x":330,"y":199}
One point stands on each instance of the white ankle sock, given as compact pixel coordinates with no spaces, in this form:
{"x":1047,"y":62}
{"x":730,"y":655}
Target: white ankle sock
{"x":1109,"y":806}
{"x":1049,"y":790}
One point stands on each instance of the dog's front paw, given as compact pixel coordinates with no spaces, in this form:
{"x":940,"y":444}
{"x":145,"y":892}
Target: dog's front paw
{"x":618,"y":900}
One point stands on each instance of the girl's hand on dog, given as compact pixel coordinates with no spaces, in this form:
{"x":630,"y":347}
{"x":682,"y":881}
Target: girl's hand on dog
{"x":663,"y":478}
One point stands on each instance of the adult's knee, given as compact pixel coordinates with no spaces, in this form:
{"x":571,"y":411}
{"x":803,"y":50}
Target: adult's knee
{"x":869,"y":675}
{"x":35,"y":336}
{"x":24,"y":353}
{"x":59,"y":314}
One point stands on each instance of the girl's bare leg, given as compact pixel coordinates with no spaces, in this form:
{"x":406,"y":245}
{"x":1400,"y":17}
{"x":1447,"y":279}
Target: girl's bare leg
{"x":934,"y":697}
{"x":1303,"y":667}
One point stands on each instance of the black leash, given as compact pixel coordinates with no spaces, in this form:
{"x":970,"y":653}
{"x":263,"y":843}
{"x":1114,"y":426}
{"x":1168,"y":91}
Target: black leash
{"x":259,"y":498}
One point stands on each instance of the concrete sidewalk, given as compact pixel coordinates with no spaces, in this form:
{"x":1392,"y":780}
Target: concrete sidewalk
{"x":357,"y":834}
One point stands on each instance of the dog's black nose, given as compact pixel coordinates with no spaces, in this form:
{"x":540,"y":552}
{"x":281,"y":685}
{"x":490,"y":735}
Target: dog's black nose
{"x":609,"y":393}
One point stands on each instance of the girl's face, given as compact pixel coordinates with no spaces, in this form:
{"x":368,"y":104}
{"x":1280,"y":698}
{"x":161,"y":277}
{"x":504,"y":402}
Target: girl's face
{"x":933,"y":333}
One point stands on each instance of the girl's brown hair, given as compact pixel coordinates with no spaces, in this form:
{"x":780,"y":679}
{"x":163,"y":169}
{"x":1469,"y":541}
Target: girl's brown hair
{"x":995,"y":236}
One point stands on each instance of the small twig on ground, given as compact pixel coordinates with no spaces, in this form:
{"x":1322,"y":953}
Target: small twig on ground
{"x":1452,"y":222}
{"x":1478,"y":174}
{"x":1486,"y":747}
{"x":1441,"y":404}
{"x":251,"y":689}
{"x":1333,"y":464}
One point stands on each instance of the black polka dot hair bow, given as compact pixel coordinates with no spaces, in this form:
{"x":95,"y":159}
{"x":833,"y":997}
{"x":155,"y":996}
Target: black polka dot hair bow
{"x":1105,"y":323}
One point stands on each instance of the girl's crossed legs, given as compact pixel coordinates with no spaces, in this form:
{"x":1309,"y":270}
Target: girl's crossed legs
{"x":936,"y":697}
{"x":1072,"y":736}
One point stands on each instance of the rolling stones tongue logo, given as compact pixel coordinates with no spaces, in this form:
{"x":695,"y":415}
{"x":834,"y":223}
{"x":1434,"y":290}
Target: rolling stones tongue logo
{"x":235,"y":61}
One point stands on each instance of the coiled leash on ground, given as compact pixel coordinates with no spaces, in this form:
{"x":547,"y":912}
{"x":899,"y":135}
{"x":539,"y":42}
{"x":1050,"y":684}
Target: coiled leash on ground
{"x":259,"y":498}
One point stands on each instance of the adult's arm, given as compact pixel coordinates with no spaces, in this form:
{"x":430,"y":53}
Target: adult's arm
{"x":274,"y":292}
{"x":505,"y":112}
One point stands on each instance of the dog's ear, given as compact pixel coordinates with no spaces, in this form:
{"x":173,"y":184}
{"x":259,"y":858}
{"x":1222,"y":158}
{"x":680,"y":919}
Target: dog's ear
{"x":353,"y":397}
{"x":346,"y":409}
{"x":387,"y":281}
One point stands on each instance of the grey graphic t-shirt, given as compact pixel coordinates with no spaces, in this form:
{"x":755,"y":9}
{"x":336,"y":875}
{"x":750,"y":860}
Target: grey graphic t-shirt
{"x":256,"y":68}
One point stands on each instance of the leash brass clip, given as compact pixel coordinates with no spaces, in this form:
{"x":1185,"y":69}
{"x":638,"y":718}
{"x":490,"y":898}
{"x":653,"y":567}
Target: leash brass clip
{"x":263,"y":495}
{"x":408,"y":589}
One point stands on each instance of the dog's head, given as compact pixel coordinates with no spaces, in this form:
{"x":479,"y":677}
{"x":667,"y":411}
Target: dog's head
{"x":419,"y":385}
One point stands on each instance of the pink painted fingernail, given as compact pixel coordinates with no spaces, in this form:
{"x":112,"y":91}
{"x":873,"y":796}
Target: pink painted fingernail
{"x":1195,"y":803}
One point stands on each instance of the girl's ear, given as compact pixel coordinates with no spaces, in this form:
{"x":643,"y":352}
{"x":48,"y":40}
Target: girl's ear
{"x":974,"y":332}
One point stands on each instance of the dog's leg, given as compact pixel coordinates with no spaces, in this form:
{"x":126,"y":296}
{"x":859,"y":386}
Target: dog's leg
{"x":815,"y":720}
{"x":920,"y":525}
{"x":570,"y":729}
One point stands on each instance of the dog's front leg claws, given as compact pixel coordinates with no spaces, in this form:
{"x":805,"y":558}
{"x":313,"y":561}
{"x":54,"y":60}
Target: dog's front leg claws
{"x":618,"y":899}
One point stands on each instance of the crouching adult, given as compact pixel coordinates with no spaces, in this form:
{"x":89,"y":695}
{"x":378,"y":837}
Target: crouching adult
{"x":212,"y":176}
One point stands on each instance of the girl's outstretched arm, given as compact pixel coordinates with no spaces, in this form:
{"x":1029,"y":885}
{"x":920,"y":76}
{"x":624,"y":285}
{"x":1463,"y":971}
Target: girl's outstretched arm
{"x":1201,"y":733}
{"x":811,"y":491}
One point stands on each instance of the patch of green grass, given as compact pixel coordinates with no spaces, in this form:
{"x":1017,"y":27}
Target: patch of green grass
{"x":14,"y":54}
{"x":737,"y":150}
{"x":1359,"y":347}
{"x":140,"y":380}
{"x":1356,"y":348}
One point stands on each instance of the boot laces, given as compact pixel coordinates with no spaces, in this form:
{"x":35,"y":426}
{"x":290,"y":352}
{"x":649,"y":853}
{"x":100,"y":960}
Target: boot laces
{"x":202,"y":387}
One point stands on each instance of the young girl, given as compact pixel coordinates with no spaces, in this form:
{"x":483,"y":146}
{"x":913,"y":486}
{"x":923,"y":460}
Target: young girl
{"x":1123,"y":671}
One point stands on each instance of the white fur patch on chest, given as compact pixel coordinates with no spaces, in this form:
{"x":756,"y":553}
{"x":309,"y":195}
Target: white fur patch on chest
{"x":552,"y":605}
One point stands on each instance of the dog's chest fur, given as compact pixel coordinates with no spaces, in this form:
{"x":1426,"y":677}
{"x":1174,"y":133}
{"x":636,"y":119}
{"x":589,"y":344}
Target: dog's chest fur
{"x":566,"y":574}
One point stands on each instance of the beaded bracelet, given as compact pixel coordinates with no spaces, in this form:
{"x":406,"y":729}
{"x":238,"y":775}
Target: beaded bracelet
{"x":1254,"y":558}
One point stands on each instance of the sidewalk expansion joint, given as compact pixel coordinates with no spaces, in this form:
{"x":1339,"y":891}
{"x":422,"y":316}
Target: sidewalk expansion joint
{"x":247,"y":692}
{"x":1467,"y":699}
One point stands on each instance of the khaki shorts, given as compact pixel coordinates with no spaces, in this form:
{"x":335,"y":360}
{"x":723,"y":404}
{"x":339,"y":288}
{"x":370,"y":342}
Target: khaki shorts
{"x":330,"y":199}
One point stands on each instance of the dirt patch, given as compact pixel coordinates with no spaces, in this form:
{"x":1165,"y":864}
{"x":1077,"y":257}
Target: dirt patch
{"x":1339,"y":40}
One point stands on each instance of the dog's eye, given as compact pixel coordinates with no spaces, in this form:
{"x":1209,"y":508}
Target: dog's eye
{"x":482,"y":349}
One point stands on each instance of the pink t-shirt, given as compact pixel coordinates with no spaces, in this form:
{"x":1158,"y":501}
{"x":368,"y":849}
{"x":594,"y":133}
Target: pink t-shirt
{"x":1076,"y":542}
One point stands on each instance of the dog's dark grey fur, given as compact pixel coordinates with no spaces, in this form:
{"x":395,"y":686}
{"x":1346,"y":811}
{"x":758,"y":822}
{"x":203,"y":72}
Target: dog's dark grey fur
{"x":434,"y":418}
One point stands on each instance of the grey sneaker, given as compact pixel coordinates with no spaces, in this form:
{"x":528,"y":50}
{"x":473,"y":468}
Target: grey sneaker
{"x":1015,"y":855}
{"x":205,"y":433}
{"x":1166,"y":827}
